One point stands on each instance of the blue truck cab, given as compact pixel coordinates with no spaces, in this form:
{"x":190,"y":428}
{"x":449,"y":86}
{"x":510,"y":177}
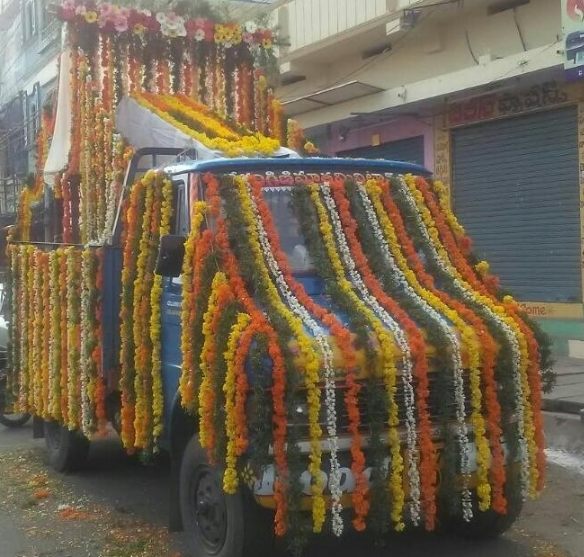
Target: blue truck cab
{"x":185,"y":177}
{"x":179,"y":427}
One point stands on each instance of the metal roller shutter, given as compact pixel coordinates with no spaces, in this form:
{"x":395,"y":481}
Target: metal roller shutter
{"x":516,"y":192}
{"x":406,"y":150}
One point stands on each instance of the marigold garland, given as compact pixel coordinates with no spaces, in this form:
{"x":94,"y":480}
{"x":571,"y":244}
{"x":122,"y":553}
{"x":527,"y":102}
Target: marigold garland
{"x":220,"y":296}
{"x":491,"y":283}
{"x":530,"y":357}
{"x":388,"y":362}
{"x":186,"y":384}
{"x":402,"y":242}
{"x":188,"y":120}
{"x":471,"y":344}
{"x":50,"y":375}
{"x":148,"y":217}
{"x":521,"y":356}
{"x":419,"y":368}
{"x":274,"y":351}
{"x":136,"y":201}
{"x":155,"y":317}
{"x":345,"y":344}
{"x":312,"y":365}
{"x":131,"y":53}
{"x":230,"y":478}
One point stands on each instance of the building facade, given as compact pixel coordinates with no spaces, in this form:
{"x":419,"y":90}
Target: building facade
{"x":29,"y":47}
{"x":475,"y":91}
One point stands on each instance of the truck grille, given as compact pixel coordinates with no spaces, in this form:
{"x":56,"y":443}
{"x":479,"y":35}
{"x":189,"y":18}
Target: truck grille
{"x":438,"y":407}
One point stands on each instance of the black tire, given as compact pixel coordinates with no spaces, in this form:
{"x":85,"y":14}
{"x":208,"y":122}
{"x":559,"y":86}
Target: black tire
{"x":67,"y":450}
{"x":486,"y":525}
{"x":13,"y":421}
{"x":10,"y":420}
{"x":217,"y":524}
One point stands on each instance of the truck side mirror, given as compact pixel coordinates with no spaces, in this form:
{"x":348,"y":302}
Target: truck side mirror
{"x":171,"y":253}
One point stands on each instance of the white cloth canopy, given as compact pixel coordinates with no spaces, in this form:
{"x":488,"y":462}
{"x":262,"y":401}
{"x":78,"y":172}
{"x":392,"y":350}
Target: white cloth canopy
{"x":58,"y":154}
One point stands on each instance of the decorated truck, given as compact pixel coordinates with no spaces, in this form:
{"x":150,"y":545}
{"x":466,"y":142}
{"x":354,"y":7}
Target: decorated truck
{"x":310,"y":339}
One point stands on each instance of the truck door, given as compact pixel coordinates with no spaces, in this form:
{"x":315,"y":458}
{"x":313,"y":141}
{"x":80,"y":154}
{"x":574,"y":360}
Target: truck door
{"x":171,"y":357}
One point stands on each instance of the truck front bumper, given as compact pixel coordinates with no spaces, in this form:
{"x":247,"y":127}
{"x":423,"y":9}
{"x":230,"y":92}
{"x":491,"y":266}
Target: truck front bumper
{"x":262,"y":484}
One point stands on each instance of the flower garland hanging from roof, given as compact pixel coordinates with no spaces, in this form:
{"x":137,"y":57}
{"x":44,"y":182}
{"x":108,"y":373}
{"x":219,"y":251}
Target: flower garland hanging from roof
{"x":125,"y":22}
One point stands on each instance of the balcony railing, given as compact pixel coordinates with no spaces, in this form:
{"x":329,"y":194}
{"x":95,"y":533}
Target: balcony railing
{"x":306,"y":22}
{"x":49,"y":34}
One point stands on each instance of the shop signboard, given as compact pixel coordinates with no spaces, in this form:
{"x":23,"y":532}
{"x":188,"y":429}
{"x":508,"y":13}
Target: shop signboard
{"x":573,"y":27}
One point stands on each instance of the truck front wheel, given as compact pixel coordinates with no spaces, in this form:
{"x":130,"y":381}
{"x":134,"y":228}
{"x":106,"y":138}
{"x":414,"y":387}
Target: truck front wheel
{"x":486,"y":525}
{"x":217,"y":524}
{"x":67,"y":450}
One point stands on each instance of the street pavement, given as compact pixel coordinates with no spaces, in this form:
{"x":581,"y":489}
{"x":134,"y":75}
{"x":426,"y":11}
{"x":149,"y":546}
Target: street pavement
{"x":568,"y":393}
{"x":118,"y":507}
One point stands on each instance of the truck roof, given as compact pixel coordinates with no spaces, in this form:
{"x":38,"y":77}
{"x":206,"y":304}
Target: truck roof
{"x":312,"y":164}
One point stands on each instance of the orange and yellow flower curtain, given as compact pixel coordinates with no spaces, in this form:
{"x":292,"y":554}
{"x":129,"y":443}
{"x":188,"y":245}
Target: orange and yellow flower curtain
{"x":55,"y":348}
{"x":463,"y":358}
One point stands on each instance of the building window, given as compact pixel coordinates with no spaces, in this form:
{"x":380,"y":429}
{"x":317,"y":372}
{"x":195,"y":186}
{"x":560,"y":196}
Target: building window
{"x":30,"y":20}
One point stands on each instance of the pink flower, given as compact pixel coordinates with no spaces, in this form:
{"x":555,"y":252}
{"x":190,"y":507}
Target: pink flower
{"x":67,"y":10}
{"x":105,"y":10}
{"x":152,"y":24}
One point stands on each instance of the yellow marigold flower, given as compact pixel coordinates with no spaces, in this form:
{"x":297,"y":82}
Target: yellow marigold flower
{"x":483,"y":268}
{"x":91,"y":16}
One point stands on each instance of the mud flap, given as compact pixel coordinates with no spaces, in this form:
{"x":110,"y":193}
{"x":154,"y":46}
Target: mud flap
{"x":174,"y":516}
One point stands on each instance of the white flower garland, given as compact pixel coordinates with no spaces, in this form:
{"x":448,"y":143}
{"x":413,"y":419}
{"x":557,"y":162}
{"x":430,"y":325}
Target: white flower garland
{"x":463,"y":290}
{"x":329,"y":373}
{"x":407,"y":375}
{"x":111,"y":199}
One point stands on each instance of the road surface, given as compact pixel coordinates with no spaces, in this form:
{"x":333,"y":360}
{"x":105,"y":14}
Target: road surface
{"x":118,"y":507}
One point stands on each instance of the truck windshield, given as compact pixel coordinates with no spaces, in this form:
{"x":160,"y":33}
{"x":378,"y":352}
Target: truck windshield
{"x":279,"y":200}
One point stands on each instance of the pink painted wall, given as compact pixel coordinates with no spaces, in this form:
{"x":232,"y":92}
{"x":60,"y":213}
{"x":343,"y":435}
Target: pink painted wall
{"x":401,"y":128}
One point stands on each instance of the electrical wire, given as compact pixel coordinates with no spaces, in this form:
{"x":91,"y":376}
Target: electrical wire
{"x":468,"y":45}
{"x":541,"y":53}
{"x":519,"y":31}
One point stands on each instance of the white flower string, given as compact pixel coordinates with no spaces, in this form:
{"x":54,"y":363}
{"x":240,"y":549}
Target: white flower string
{"x":407,"y":376}
{"x":464,"y":290}
{"x":110,"y":196}
{"x":329,"y":373}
